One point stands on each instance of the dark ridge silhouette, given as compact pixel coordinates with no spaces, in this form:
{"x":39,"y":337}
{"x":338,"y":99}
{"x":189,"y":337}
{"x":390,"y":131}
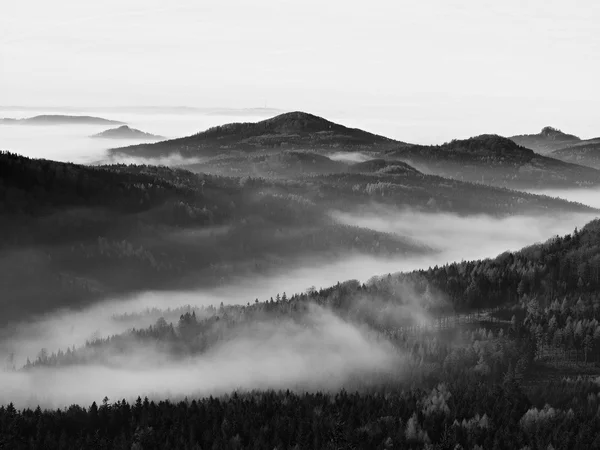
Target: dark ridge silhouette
{"x":125,"y":132}
{"x":59,"y":119}
{"x":294,"y":130}
{"x":545,"y":141}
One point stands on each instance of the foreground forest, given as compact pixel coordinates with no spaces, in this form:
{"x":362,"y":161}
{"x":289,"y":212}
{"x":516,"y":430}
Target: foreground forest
{"x":499,"y":353}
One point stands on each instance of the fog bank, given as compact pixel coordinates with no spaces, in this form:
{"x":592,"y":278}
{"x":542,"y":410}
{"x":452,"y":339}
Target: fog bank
{"x":589,"y":196}
{"x":266,"y":355}
{"x":277,"y":355}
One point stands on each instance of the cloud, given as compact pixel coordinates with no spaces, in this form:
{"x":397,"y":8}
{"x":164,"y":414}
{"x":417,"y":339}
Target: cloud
{"x":321,"y":351}
{"x":349,"y":157}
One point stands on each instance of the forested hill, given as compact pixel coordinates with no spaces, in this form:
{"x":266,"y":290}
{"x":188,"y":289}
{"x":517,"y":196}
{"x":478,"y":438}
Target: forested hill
{"x":489,"y":382}
{"x":585,"y":153}
{"x":495,"y":160}
{"x":546,"y":141}
{"x":125,"y":132}
{"x":294,"y":130}
{"x":58,"y":119}
{"x":565,"y":266}
{"x":84,"y":231}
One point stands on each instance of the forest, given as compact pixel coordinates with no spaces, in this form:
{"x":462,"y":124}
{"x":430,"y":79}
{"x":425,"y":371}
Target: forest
{"x":90,"y":231}
{"x":513,"y":363}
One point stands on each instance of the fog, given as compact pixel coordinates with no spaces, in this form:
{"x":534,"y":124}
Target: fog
{"x":589,"y":196}
{"x":72,"y":143}
{"x":453,"y":238}
{"x":464,"y":238}
{"x":173,"y":160}
{"x":350,"y":157}
{"x":322,"y":353}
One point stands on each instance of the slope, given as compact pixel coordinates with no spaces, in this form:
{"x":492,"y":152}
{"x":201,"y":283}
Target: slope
{"x":497,"y":161}
{"x":125,"y":132}
{"x":294,"y":130}
{"x":57,"y":119}
{"x":546,"y":141}
{"x":585,"y":153}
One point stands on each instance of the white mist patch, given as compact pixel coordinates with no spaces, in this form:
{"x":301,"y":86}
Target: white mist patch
{"x":590,"y":196}
{"x":455,"y":238}
{"x":266,"y":355}
{"x":350,"y":157}
{"x":72,"y":143}
{"x":67,"y":327}
{"x":174,"y":159}
{"x":465,"y":238}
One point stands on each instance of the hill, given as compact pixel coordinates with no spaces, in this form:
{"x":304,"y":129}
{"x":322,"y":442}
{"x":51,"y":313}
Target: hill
{"x":125,"y":132}
{"x":58,"y":119}
{"x":497,"y":161}
{"x":383,"y":167}
{"x":546,"y":141}
{"x":294,"y":130}
{"x":585,"y":153}
{"x":475,"y":375}
{"x":85,"y":232}
{"x":287,"y":164}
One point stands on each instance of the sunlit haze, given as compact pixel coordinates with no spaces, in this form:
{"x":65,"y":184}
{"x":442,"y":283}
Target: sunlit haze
{"x":423,"y":71}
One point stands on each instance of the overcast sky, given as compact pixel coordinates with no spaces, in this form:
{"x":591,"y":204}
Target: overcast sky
{"x":510,"y":65}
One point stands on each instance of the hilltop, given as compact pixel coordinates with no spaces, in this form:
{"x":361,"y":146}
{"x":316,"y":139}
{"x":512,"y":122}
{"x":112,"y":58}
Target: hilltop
{"x":545,"y":141}
{"x":59,"y":119}
{"x":294,"y":130}
{"x":125,"y":132}
{"x":495,"y":160}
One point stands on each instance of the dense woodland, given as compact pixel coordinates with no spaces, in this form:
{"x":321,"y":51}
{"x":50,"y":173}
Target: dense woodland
{"x":514,"y":363}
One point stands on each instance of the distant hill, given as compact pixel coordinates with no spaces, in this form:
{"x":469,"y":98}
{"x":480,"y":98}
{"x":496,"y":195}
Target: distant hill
{"x":546,"y":141}
{"x":286,"y":164}
{"x":495,"y":160}
{"x":384,"y":167}
{"x":294,"y":130}
{"x":585,"y":153}
{"x":125,"y":132}
{"x":52,"y":119}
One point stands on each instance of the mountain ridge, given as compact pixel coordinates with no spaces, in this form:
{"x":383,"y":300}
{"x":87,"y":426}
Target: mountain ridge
{"x":495,"y":160}
{"x":60,"y":119}
{"x":292,"y":130}
{"x":547,"y":140}
{"x":126,"y":132}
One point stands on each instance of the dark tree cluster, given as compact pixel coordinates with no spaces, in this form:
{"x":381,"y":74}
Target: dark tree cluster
{"x":457,"y":415}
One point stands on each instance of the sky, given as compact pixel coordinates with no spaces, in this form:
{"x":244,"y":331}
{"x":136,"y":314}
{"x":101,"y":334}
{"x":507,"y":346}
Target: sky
{"x":446,"y":67}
